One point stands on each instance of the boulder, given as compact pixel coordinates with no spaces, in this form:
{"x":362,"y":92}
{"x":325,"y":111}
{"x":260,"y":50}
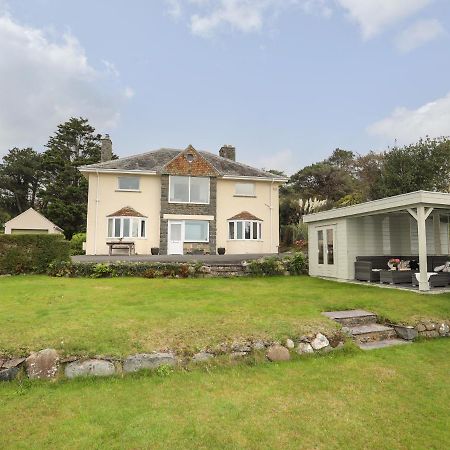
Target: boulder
{"x":319,"y":342}
{"x":90,"y":367}
{"x":278,"y":353}
{"x":444,"y":329}
{"x":420,"y":327}
{"x":202,"y":356}
{"x":258,"y":345}
{"x":406,"y":332}
{"x":430,"y":326}
{"x":148,"y":361}
{"x":9,"y":374}
{"x":304,"y":348}
{"x":10,"y":363}
{"x":290,"y":343}
{"x":241,"y":347}
{"x":43,"y":364}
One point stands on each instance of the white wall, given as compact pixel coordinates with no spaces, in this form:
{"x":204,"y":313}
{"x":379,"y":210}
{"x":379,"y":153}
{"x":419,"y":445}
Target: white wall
{"x":110,"y":200}
{"x":228,"y":205}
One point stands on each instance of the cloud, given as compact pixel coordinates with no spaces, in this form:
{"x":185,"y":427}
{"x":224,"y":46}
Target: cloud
{"x":408,"y":125}
{"x":281,"y":160}
{"x":44,"y":80}
{"x":373,"y":16}
{"x":206,"y":17}
{"x":419,"y":33}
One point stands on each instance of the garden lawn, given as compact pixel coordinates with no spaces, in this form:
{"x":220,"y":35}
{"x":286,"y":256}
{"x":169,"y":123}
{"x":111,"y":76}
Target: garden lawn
{"x":395,"y":398}
{"x":120,"y":316}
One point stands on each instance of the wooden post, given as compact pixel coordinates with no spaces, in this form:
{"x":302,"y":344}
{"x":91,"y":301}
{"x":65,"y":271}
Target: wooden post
{"x":424,"y":285}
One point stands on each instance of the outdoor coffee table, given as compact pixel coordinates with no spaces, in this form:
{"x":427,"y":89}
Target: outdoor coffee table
{"x":395,"y":276}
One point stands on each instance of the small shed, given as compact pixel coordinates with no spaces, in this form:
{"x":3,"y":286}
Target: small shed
{"x":416,"y":223}
{"x":31,"y":222}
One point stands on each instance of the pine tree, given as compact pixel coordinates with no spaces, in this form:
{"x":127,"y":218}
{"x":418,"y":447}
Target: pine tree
{"x":65,"y":191}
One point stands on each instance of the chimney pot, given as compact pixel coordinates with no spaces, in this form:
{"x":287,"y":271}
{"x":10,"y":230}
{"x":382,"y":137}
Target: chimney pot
{"x":106,"y":149}
{"x":228,"y":151}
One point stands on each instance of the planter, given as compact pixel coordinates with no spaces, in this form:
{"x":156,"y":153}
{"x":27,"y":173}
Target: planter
{"x":155,"y":250}
{"x":221,"y":251}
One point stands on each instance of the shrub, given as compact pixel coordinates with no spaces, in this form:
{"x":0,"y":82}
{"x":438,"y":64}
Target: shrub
{"x":266,"y":266}
{"x":76,"y":244}
{"x":297,"y":264}
{"x":31,"y":253}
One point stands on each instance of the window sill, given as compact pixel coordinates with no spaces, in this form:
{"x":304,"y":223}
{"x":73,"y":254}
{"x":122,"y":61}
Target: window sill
{"x":187,"y":203}
{"x":245,"y":240}
{"x":245,"y":196}
{"x":128,"y":190}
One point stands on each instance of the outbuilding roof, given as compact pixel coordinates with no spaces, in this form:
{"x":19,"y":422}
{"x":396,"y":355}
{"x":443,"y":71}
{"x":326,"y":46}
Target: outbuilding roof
{"x":155,"y":162}
{"x":384,"y":205}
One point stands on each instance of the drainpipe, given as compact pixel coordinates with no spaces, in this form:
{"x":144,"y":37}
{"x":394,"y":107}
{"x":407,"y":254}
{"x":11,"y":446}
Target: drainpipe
{"x":270,"y":206}
{"x":96,"y":212}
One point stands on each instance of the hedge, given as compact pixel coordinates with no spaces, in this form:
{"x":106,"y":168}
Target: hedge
{"x":294,"y":264}
{"x":124,"y":269}
{"x":31,"y":253}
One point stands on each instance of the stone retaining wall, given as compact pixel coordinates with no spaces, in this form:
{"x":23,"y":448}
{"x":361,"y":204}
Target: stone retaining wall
{"x":48,"y":364}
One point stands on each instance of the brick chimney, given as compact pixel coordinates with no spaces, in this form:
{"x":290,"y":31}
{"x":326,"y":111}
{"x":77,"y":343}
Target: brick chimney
{"x":228,"y":152}
{"x":106,"y":150}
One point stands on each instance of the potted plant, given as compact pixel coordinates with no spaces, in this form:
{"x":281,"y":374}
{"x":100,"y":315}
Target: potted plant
{"x":393,"y":263}
{"x":221,"y":250}
{"x":155,"y":250}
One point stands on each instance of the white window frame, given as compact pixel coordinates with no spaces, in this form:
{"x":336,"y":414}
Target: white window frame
{"x":235,"y":238}
{"x":189,"y":190}
{"x":128,"y":190}
{"x":121,"y":218}
{"x":236,"y":194}
{"x":184,"y":231}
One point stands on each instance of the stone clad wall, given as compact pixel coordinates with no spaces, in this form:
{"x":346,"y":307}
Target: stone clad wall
{"x":189,"y":209}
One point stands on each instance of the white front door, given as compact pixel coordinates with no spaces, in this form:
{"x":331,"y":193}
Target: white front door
{"x":175,"y":238}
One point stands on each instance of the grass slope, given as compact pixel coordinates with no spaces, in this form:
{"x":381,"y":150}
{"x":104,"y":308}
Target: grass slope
{"x":122,"y":316}
{"x":396,"y":398}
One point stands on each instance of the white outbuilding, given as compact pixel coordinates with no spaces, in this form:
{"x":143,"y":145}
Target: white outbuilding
{"x":31,"y":222}
{"x":414,"y":224}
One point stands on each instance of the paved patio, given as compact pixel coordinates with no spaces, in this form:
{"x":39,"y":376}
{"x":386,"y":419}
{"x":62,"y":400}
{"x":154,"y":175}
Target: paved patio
{"x":207,"y":259}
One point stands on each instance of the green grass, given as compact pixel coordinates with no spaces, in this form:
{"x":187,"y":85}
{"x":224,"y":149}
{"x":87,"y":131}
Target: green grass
{"x":395,"y":398}
{"x":122,"y":316}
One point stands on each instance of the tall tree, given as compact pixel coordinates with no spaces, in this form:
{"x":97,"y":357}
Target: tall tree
{"x":424,"y":165}
{"x":64,"y":196}
{"x":20,"y":180}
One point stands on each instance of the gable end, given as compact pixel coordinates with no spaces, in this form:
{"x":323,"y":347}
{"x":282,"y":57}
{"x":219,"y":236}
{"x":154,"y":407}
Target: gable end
{"x":190,"y":162}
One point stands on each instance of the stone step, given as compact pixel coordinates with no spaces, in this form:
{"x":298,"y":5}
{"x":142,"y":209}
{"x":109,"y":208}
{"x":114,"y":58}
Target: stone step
{"x":372,"y":332}
{"x":382,"y":344}
{"x":353,"y":317}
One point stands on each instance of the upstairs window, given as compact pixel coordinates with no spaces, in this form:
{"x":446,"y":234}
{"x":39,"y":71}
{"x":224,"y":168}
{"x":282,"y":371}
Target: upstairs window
{"x":126,"y":227}
{"x":244,"y":189}
{"x":128,"y":183}
{"x":189,"y":189}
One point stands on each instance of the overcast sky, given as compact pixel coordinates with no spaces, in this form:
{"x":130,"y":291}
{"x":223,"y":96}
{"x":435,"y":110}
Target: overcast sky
{"x":285,"y":81}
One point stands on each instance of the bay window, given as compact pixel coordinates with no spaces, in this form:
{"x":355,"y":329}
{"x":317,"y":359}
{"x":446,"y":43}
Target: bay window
{"x":126,"y":227}
{"x":188,"y":189}
{"x":246,"y":230}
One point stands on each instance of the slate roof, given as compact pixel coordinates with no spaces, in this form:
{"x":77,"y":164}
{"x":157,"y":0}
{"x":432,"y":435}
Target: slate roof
{"x":156,"y":160}
{"x":126,"y":211}
{"x":244,"y":215}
